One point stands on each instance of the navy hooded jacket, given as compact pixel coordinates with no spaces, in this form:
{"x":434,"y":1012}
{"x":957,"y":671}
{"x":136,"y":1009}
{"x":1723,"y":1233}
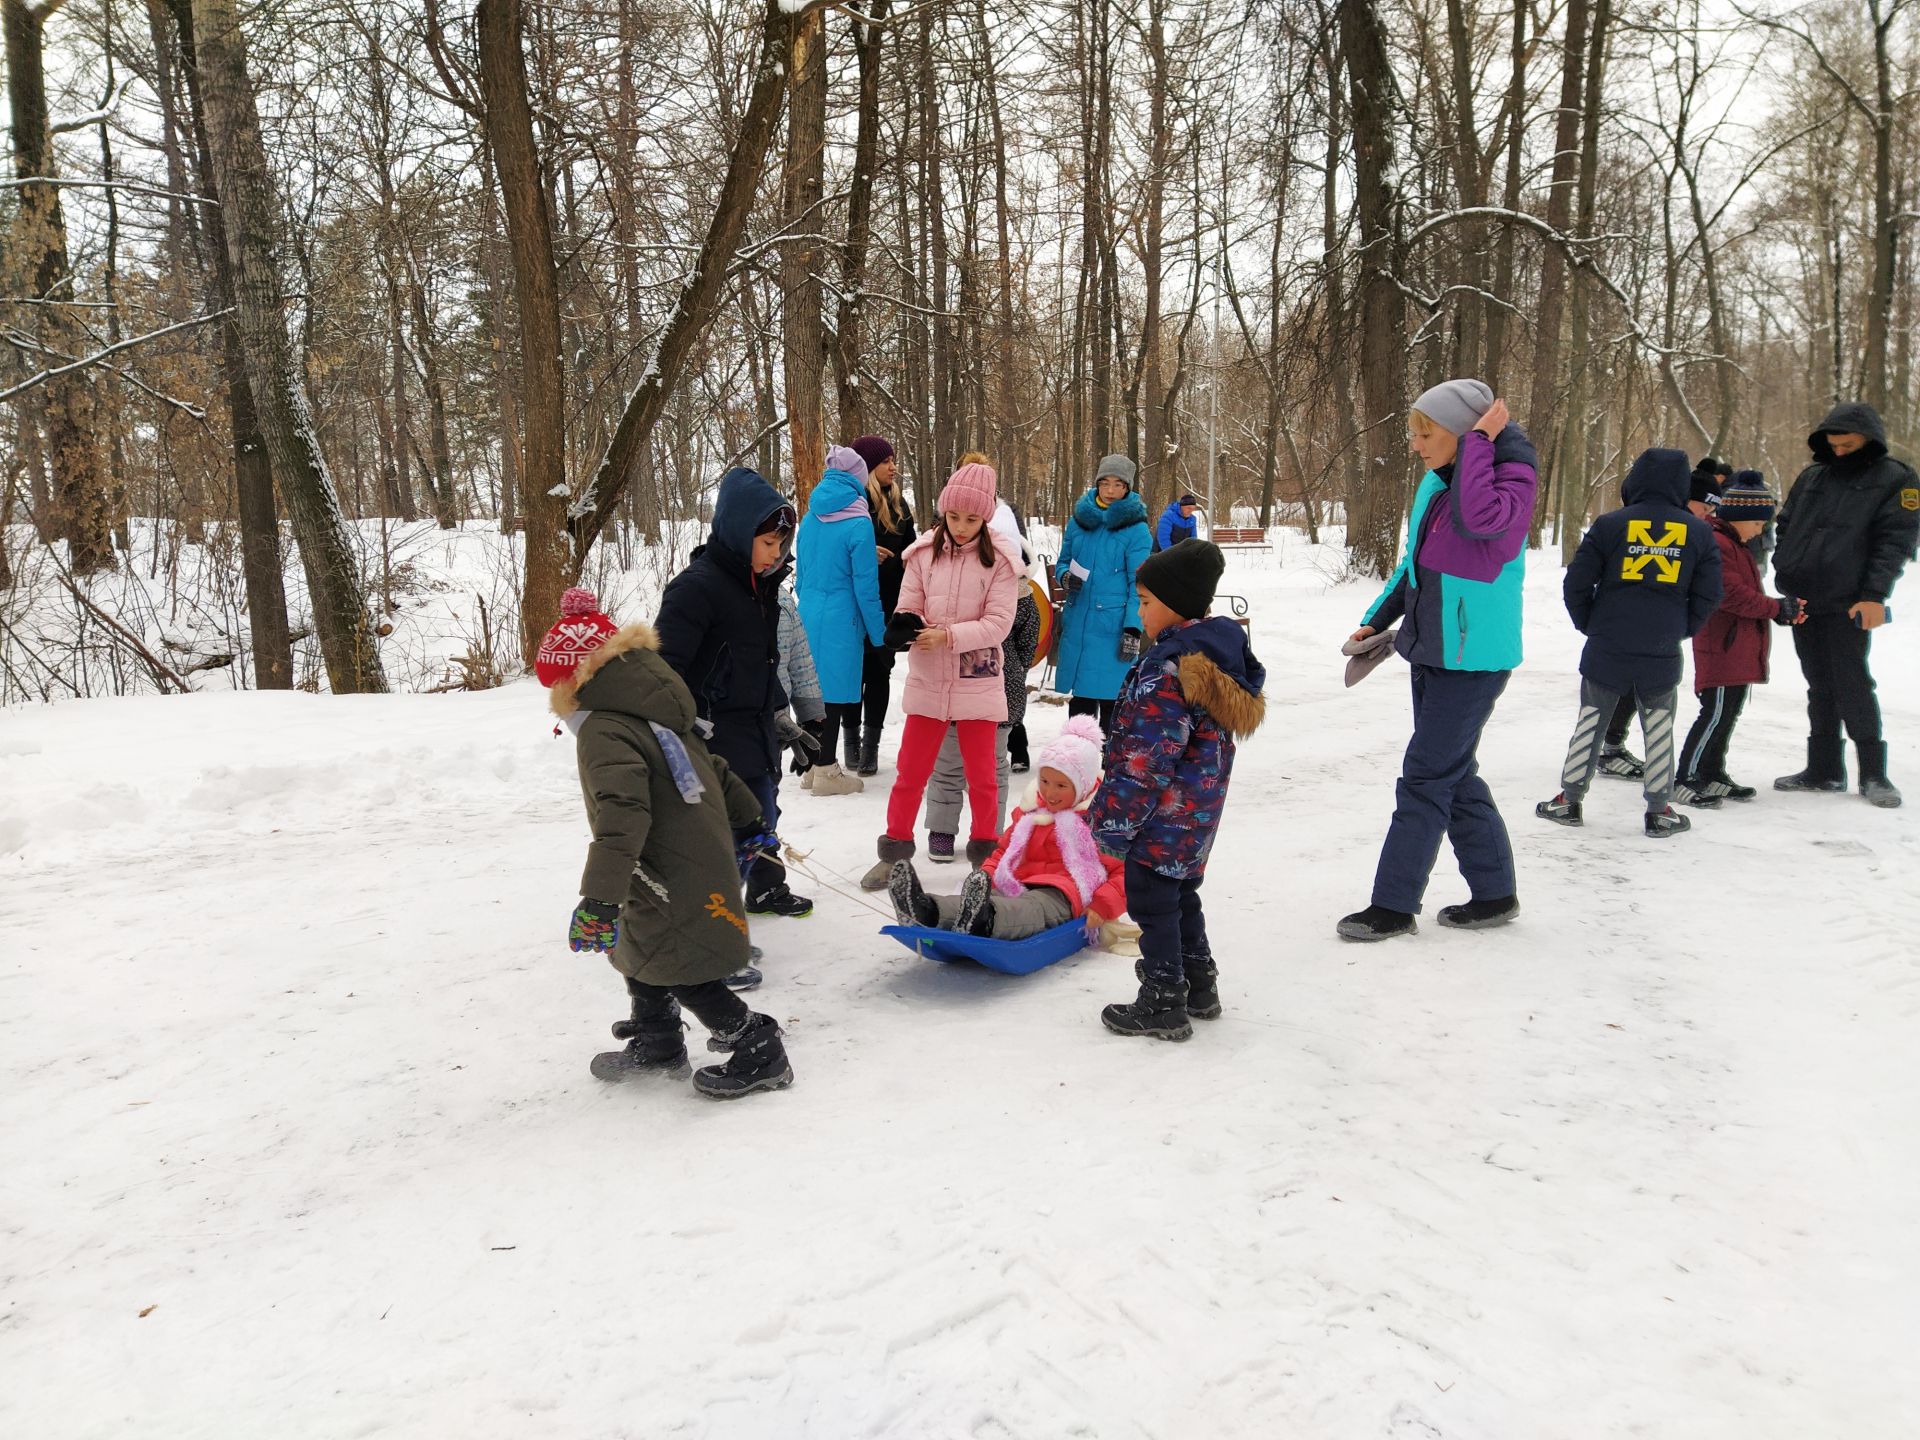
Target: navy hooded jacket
{"x":720,"y":629}
{"x":1646,"y":577}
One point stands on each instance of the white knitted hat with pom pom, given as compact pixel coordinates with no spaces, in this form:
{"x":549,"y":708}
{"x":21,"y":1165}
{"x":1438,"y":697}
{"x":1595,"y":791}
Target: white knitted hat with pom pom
{"x":1076,"y":754}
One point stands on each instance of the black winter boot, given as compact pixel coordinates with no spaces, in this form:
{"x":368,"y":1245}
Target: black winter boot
{"x":1159,"y":1013}
{"x":1376,"y":922}
{"x":892,"y":852}
{"x":1479,"y":914}
{"x":656,"y":1042}
{"x":869,"y":754}
{"x":1879,"y":790}
{"x":757,"y":1061}
{"x":910,"y":903}
{"x":976,"y":904}
{"x":851,"y":746}
{"x":979,"y":850}
{"x":1826,"y":768}
{"x":1203,"y":984}
{"x":779,"y":900}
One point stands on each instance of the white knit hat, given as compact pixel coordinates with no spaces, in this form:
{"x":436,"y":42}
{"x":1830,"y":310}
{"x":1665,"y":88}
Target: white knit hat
{"x":1076,"y":755}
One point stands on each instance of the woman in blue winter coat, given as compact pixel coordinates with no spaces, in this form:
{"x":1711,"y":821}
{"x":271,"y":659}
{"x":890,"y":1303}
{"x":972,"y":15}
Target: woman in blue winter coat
{"x":1101,"y":547}
{"x":839,"y":587}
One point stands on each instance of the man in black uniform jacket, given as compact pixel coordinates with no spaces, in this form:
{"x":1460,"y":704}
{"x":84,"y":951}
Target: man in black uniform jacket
{"x":1847,"y":530}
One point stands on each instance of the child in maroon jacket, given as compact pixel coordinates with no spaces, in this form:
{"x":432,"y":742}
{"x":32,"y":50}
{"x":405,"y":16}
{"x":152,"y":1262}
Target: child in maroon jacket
{"x":1730,"y":652}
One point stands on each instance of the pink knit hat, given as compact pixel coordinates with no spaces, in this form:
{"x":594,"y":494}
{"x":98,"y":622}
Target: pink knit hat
{"x":1076,"y":753}
{"x":970,"y":491}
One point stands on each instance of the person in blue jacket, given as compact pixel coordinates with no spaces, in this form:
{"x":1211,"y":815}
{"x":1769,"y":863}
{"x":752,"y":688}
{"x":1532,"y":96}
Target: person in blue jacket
{"x":1177,"y":523}
{"x":1100,"y":548}
{"x":839,"y":588}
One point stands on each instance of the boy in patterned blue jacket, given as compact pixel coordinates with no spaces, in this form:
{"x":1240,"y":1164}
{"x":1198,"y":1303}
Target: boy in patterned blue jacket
{"x":1169,"y":757}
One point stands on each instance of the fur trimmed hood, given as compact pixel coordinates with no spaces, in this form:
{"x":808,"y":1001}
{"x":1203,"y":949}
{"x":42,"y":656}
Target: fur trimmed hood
{"x":644,"y":685}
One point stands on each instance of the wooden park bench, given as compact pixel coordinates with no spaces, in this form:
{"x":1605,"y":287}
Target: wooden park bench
{"x":1251,"y":536}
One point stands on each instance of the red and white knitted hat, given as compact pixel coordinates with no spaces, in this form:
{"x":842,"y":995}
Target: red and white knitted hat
{"x":582,"y":630}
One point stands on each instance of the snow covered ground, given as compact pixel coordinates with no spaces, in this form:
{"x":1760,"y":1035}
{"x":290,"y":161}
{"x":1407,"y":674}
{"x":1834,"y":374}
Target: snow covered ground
{"x":300,"y":1139}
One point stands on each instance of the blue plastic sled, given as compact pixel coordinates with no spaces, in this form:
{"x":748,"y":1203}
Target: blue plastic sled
{"x":1009,"y":957}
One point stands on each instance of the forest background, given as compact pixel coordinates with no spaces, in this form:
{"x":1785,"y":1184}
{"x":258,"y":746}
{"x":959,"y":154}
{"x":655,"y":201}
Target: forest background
{"x":283,"y":283}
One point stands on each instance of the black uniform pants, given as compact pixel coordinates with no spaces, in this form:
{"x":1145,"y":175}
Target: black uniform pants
{"x":1101,"y":710}
{"x":1833,"y":657}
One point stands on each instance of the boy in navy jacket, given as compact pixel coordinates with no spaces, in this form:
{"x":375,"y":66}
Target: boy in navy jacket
{"x":1169,"y":757}
{"x":1646,"y":577}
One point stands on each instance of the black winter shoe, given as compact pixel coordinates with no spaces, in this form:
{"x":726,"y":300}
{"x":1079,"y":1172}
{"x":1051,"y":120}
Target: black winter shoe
{"x":758,"y":1061}
{"x":656,"y":1045}
{"x":1879,"y":791}
{"x":1479,"y":914}
{"x":939,"y":848}
{"x":976,"y":905}
{"x":1662,"y":823}
{"x":1700,"y":796}
{"x":1376,"y":922}
{"x":780,"y":901}
{"x":979,"y":850}
{"x":747,"y":977}
{"x":1826,"y":770}
{"x":1159,"y":1012}
{"x":1560,"y":810}
{"x":1621,"y":763}
{"x":869,"y":754}
{"x":910,"y":903}
{"x":1727,"y":788}
{"x":851,"y":747}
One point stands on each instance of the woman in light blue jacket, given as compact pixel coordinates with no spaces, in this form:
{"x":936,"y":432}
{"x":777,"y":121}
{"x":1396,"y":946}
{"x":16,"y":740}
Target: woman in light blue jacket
{"x":1100,"y":548}
{"x":839,"y":587}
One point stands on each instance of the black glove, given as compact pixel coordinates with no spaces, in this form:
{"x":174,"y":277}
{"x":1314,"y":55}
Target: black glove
{"x":596,"y":926}
{"x":1073,"y":582}
{"x":804,"y":740}
{"x":1130,"y":644}
{"x":1790,"y":608}
{"x":903,"y":629}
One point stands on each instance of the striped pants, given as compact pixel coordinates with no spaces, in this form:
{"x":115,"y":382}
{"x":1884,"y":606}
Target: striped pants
{"x":1590,"y":735}
{"x":1704,"y":757}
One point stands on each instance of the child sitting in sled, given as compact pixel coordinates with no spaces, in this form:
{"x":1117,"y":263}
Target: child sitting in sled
{"x":1046,"y":869}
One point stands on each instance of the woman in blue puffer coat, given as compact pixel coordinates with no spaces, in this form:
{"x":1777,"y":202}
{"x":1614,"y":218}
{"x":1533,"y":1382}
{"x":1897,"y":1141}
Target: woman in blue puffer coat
{"x":839,"y":587}
{"x":1100,"y":548}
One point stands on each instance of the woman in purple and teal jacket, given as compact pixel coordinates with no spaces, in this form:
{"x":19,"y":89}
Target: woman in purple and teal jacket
{"x":1456,"y":594}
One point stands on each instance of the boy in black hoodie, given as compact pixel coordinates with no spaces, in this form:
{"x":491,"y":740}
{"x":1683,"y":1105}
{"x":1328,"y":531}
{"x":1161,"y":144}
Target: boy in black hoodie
{"x":1646,"y":577}
{"x":1846,"y":532}
{"x":719,"y":629}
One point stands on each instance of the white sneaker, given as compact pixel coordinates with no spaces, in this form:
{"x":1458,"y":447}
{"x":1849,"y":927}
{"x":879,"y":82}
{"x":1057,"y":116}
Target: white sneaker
{"x":834,"y":780}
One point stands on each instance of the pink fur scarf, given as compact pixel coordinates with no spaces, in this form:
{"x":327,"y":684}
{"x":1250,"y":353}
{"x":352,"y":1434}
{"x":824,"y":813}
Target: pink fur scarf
{"x":1076,"y":847}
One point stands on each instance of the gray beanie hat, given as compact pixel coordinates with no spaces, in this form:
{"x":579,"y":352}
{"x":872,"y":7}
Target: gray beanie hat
{"x":1456,"y":405}
{"x":1121,"y":468}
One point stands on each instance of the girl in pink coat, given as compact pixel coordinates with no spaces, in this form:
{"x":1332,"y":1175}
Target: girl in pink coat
{"x":956,"y":607}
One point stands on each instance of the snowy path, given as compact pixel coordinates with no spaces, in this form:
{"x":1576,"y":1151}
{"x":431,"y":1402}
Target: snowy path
{"x":290,"y":1052}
